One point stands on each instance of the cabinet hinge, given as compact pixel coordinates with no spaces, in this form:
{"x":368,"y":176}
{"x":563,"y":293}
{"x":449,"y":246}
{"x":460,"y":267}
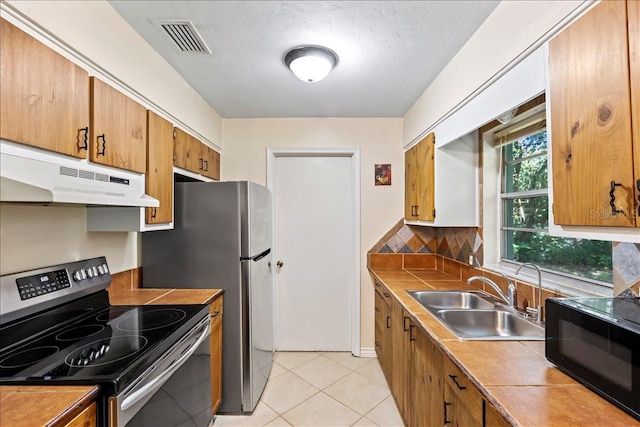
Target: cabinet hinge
{"x":175,"y":134}
{"x":434,"y":213}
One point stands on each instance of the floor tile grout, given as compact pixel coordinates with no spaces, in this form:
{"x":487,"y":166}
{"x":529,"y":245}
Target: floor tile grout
{"x":314,"y":402}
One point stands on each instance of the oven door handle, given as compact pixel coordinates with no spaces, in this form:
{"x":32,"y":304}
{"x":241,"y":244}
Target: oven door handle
{"x":160,"y":379}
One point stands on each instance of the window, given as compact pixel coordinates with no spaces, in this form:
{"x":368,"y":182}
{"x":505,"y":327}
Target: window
{"x":525,"y":216}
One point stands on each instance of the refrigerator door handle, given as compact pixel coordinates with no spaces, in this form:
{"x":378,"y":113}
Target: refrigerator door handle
{"x":256,"y":257}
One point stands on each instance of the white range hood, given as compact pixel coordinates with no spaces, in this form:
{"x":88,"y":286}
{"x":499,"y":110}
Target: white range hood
{"x":32,"y":175}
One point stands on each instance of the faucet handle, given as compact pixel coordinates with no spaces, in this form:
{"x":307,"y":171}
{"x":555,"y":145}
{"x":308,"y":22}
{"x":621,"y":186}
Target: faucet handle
{"x":512,"y":295}
{"x":532,"y":311}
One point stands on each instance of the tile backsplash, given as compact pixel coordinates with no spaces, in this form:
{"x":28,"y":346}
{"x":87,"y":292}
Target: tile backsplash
{"x":626,"y":269}
{"x":451,"y":242}
{"x":458,"y":242}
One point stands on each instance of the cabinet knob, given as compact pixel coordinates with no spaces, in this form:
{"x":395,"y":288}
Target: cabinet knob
{"x":279,"y":264}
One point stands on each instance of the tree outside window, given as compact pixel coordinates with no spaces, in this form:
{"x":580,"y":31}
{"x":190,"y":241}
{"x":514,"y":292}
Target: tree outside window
{"x":525,"y":217}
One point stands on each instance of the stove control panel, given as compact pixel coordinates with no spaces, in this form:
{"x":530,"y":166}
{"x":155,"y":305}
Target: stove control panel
{"x":40,"y":284}
{"x":38,"y":289}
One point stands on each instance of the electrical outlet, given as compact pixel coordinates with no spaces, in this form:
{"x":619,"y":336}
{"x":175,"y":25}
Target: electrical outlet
{"x":471,"y":255}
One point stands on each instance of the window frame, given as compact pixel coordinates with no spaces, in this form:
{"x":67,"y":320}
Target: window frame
{"x":565,"y":283}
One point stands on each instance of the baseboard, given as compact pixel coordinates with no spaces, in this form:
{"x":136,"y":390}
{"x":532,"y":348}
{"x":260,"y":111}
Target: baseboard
{"x":368,"y":352}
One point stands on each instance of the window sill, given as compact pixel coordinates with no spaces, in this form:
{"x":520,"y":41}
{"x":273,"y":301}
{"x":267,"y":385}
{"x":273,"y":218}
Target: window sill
{"x":552,"y":282}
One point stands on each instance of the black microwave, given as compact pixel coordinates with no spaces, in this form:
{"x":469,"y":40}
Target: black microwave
{"x":597,"y":342}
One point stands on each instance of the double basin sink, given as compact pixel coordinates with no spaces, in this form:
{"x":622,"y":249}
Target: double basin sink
{"x":475,"y":315}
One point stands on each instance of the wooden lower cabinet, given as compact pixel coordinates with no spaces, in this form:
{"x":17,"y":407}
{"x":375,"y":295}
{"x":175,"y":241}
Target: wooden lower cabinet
{"x":216,"y":310}
{"x":462,"y":400}
{"x":402,"y":352}
{"x":428,"y":387}
{"x":383,"y":333}
{"x":492,"y":418}
{"x":86,"y":418}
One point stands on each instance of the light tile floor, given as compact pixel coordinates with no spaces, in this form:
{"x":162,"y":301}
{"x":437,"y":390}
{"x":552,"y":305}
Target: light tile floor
{"x":321,"y":389}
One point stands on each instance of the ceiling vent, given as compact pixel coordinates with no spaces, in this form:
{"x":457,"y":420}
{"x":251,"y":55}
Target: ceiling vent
{"x":185,"y":36}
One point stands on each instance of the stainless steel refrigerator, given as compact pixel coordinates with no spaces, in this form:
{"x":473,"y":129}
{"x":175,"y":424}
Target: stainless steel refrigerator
{"x":222,"y":239}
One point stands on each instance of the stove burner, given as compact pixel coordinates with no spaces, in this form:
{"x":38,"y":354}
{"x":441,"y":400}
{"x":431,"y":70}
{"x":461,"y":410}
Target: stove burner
{"x":28,"y":356}
{"x":109,"y":350}
{"x":151,"y":319}
{"x":79,"y":332}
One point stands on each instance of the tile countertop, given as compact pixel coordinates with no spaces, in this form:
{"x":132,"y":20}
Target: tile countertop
{"x":30,"y":406}
{"x":149,"y":296}
{"x":514,"y":376}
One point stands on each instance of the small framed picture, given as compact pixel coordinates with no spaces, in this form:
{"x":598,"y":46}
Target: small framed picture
{"x":383,"y":174}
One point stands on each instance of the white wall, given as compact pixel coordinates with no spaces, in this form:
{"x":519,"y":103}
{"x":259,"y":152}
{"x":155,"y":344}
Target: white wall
{"x":245,"y":154}
{"x":513,"y":28}
{"x":33,"y":236}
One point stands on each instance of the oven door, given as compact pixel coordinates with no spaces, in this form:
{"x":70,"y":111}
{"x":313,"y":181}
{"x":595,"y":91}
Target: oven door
{"x":176,"y":390}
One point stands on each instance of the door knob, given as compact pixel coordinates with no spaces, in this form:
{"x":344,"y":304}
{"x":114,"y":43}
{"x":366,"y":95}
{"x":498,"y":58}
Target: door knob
{"x":279,"y":264}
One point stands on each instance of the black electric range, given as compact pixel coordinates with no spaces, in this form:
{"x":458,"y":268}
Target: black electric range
{"x":57,"y":327}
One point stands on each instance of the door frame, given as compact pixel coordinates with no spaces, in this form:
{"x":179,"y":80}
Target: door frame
{"x":354,"y":155}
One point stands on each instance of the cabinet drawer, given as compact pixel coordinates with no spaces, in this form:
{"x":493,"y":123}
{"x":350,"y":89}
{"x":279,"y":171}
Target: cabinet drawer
{"x":465,"y":392}
{"x":384,"y":293}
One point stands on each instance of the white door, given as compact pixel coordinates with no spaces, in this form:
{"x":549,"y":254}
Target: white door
{"x":314,"y":205}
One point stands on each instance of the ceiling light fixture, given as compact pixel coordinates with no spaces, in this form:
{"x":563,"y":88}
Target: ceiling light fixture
{"x":311,"y":63}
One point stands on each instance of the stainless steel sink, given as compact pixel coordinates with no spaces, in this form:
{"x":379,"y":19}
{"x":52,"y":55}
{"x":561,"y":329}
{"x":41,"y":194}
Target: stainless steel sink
{"x":476,"y":315}
{"x":451,"y":299}
{"x":491,"y":324}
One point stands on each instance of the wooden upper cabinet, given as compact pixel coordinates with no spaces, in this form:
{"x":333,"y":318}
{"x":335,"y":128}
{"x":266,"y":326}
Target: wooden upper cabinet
{"x":186,"y":151}
{"x":410,"y":183}
{"x":159,"y":177}
{"x":191,"y":154}
{"x":593,"y":149}
{"x":118,"y":129}
{"x":419,"y":180}
{"x":212,"y":163}
{"x":44,"y":98}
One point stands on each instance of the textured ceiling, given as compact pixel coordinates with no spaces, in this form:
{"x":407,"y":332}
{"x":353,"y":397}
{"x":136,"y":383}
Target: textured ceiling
{"x":389,"y":51}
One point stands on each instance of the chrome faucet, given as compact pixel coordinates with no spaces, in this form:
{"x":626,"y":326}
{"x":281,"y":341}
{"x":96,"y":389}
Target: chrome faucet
{"x":510,"y":299}
{"x":538,"y":310}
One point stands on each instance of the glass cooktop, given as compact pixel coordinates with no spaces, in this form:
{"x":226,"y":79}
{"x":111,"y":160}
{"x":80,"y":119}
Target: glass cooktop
{"x":101,"y":343}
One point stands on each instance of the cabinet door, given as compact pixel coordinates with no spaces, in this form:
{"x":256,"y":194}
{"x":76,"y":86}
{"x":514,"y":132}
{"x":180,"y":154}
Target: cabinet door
{"x":590,"y":110}
{"x":210,"y":162}
{"x":44,"y":98}
{"x":426,"y":173}
{"x":426,"y":382}
{"x":186,"y":151}
{"x":419,"y":180}
{"x":411,"y":183}
{"x":379,"y":328}
{"x":118,"y":129}
{"x":215,"y":309}
{"x":633,"y":17}
{"x":401,"y":348}
{"x":159,"y":177}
